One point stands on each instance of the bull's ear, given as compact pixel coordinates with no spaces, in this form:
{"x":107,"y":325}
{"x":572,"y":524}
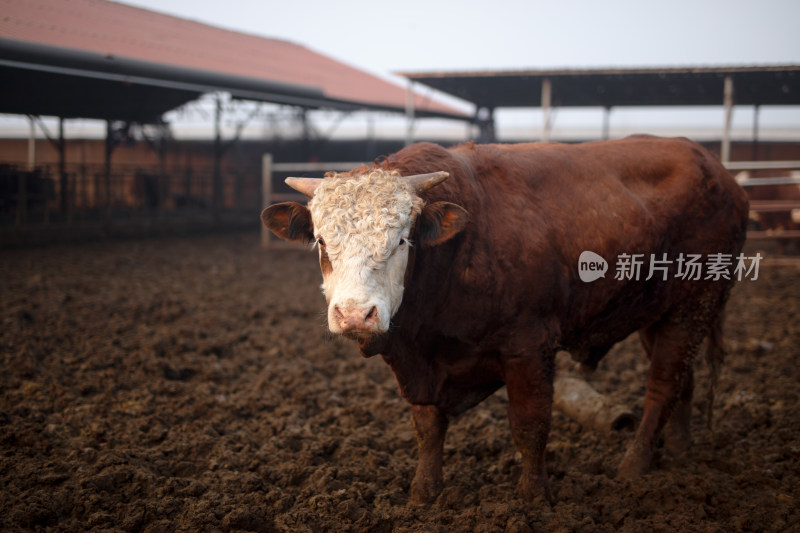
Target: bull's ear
{"x":439,"y":222}
{"x":290,"y":221}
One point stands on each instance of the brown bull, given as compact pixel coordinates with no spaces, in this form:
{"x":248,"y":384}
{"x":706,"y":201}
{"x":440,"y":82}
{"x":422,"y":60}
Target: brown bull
{"x":472,"y":283}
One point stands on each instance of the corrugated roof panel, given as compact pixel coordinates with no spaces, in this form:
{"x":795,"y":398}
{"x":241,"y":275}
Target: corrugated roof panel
{"x":117,"y":29}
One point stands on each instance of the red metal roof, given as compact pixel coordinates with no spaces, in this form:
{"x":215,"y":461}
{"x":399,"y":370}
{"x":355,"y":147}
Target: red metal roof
{"x":116,"y":29}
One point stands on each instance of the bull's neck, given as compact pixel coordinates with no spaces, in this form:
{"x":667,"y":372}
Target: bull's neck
{"x":374,"y":346}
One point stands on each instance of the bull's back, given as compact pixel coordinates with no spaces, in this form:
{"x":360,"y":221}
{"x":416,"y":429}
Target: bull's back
{"x":634,"y":195}
{"x":645,"y":197}
{"x":534,"y":208}
{"x":640,"y":177}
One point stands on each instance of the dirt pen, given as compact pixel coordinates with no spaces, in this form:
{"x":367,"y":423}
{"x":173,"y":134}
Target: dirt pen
{"x":190,"y":385}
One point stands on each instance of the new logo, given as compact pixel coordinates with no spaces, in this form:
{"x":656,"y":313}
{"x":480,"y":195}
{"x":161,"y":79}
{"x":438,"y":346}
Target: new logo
{"x":591,"y":266}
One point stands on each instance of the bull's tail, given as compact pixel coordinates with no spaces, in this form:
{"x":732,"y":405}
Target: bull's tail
{"x":715,"y":355}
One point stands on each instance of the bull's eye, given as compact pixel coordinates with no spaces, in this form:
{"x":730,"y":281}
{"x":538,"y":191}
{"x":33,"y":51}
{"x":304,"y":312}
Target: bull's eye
{"x":400,"y":245}
{"x":321,"y":242}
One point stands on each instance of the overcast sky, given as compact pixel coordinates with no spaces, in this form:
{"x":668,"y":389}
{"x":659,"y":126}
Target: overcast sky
{"x":433,"y":35}
{"x":425,"y":35}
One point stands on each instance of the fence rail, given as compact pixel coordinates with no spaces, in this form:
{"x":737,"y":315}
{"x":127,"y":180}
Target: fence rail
{"x":49,"y":204}
{"x":762,"y":182}
{"x":762,"y":165}
{"x":771,"y":207}
{"x":271,"y":169}
{"x":127,"y":187}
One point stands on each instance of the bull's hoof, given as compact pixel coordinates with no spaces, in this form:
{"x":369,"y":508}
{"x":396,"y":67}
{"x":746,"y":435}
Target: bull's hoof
{"x":534,"y":490}
{"x":424,"y":491}
{"x":677,"y":438}
{"x":635,"y":464}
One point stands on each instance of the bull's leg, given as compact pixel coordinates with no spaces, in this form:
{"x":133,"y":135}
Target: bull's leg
{"x":677,"y":433}
{"x":530,"y":393}
{"x":671,"y":347}
{"x":430,"y":427}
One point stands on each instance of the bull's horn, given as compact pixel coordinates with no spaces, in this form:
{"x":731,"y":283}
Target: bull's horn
{"x":423,"y":182}
{"x":306,"y":186}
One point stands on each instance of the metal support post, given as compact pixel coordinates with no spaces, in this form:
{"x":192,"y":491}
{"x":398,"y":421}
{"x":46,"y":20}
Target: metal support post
{"x":756,"y":112}
{"x":107,"y":177}
{"x":410,"y":113}
{"x":266,"y":194}
{"x":62,"y":169}
{"x":216,"y":179}
{"x":31,"y":144}
{"x":484,"y":118}
{"x":546,"y":101}
{"x":725,"y":150}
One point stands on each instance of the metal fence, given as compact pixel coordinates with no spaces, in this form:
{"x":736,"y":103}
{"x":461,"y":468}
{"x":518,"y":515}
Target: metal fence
{"x":774,"y":200}
{"x":86,"y":194}
{"x":89,"y":199}
{"x":274,"y":190}
{"x":41,"y":195}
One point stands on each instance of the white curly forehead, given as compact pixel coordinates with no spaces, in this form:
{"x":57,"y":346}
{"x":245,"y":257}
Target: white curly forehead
{"x":365,"y":210}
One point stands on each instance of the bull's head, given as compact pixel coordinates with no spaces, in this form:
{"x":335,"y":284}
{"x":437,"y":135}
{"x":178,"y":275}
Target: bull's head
{"x":363,"y":226}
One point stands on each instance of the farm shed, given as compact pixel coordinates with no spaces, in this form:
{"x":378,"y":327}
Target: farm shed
{"x":757,"y":86}
{"x":128,"y":66}
{"x":776,"y":85}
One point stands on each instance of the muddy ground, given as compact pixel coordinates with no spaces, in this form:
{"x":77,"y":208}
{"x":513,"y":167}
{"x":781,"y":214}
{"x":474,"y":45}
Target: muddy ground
{"x":190,"y":385}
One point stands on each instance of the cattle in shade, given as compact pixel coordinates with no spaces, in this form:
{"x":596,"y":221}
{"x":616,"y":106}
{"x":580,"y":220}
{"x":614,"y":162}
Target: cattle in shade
{"x":460,"y":268}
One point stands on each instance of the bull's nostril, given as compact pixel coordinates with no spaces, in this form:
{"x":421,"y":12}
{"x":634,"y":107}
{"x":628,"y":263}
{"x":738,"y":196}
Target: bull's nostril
{"x":355,"y":318}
